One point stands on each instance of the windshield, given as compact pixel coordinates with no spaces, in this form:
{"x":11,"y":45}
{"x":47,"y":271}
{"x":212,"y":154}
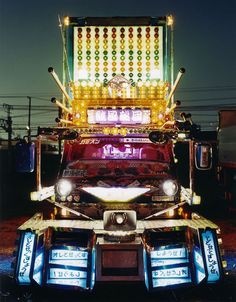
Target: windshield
{"x":117,"y":149}
{"x":115,"y":158}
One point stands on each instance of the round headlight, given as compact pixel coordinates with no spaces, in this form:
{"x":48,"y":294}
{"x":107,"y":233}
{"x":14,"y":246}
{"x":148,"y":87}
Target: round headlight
{"x":64,"y":187}
{"x":170,"y":187}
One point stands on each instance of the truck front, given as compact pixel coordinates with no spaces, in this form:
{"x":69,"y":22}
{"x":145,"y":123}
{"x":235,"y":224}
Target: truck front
{"x":122,"y":213}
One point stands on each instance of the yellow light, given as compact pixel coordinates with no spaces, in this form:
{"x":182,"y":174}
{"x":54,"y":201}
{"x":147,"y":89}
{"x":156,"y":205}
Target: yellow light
{"x":170,"y":20}
{"x":98,"y":84}
{"x":123,"y":131}
{"x":115,"y":131}
{"x":66,"y":21}
{"x":147,"y":84}
{"x":84,"y":84}
{"x":171,"y":213}
{"x":106,"y":130}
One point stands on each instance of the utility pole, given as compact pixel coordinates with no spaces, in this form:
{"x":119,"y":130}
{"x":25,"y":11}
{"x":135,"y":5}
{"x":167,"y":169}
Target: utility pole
{"x":29,"y":119}
{"x":6,"y":124}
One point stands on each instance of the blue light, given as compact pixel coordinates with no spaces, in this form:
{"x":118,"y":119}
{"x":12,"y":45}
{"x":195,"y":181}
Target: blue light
{"x":26,"y":256}
{"x":169,"y":253}
{"x":67,"y":254}
{"x":211,"y":256}
{"x":168,"y":282}
{"x":199,"y":265}
{"x":38,"y":265}
{"x":69,"y":257}
{"x":68,"y":282}
{"x":145,"y":268}
{"x":164,"y":262}
{"x":93,"y":276}
{"x":63,"y":273}
{"x":176,"y":272}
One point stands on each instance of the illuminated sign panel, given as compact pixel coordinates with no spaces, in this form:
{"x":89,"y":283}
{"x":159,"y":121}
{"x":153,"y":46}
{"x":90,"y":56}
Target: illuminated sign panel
{"x":69,"y":257}
{"x":169,"y":253}
{"x":169,"y":266}
{"x":63,"y":273}
{"x":100,"y":53}
{"x":199,"y":264}
{"x":25,"y":259}
{"x":164,"y":262}
{"x":168,"y":282}
{"x":38,"y":265}
{"x":120,"y":116}
{"x":68,"y":277}
{"x":211,"y":256}
{"x":176,"y":272}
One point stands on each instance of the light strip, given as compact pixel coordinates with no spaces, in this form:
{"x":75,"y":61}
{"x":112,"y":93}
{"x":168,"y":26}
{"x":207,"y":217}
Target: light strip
{"x":116,"y":194}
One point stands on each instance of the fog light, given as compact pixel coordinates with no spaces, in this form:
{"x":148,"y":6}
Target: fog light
{"x":64,"y":187}
{"x":170,"y":187}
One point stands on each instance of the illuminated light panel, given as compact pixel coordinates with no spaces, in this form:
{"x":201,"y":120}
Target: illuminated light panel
{"x":68,"y":282}
{"x":163,"y":262}
{"x":176,"y":272}
{"x":26,"y":257}
{"x":107,"y":52}
{"x":169,"y":253}
{"x":213,"y":268}
{"x":69,"y":257}
{"x":168,"y":282}
{"x":120,"y":116}
{"x":63,"y":273}
{"x":38,"y":265}
{"x":116,"y":194}
{"x":199,"y":265}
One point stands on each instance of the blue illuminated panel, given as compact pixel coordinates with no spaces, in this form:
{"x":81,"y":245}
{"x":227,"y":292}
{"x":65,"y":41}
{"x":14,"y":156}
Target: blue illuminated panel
{"x":175,"y":272}
{"x":164,"y":262}
{"x":25,"y":258}
{"x":168,"y":282}
{"x":212,"y":264}
{"x":169,"y":253}
{"x":169,"y":266}
{"x":69,"y":257}
{"x":66,"y":276}
{"x":199,"y":264}
{"x":38,"y":266}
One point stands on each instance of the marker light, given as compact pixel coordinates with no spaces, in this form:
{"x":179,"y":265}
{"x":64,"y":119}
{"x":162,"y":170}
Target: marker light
{"x":155,"y":74}
{"x":64,"y":187}
{"x":170,"y":187}
{"x":116,"y":194}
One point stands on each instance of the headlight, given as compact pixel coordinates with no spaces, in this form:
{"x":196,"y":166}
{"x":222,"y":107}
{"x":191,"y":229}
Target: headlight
{"x":64,"y":187}
{"x":170,"y":187}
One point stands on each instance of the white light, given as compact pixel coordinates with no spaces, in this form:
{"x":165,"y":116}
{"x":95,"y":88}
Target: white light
{"x":64,"y":187}
{"x":115,"y":194}
{"x":82,"y":74}
{"x":155,"y":74}
{"x":170,"y":188}
{"x":119,"y":218}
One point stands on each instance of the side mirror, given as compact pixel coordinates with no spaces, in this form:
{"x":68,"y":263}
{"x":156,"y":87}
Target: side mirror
{"x":203,"y":156}
{"x":25,"y":156}
{"x":158,"y":137}
{"x":68,"y":135}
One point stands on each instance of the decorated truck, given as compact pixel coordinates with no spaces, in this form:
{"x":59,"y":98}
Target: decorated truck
{"x":227,"y":154}
{"x":121,"y":213}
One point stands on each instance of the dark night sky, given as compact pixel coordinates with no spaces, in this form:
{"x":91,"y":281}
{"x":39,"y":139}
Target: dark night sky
{"x":205,"y":44}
